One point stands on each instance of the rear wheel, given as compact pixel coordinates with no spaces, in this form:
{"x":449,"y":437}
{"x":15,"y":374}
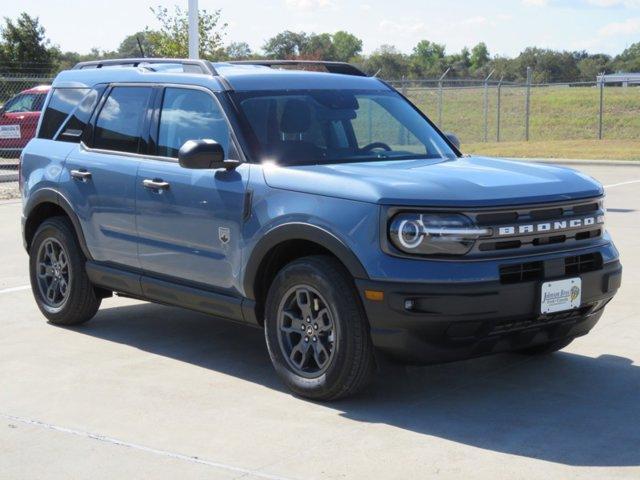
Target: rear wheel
{"x":59,"y":281}
{"x":316,"y":330}
{"x":547,"y":348}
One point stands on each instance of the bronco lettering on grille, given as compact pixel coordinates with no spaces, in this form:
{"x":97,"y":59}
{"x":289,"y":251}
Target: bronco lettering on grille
{"x":555,"y":226}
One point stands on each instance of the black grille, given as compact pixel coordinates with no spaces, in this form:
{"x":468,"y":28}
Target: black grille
{"x":582,"y":263}
{"x":541,"y":320}
{"x":522,"y":272}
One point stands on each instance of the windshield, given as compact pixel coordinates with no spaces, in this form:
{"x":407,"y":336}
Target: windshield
{"x":331,"y":126}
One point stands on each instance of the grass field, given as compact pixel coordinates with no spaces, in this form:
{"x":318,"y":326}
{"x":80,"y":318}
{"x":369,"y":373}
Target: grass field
{"x":557,"y":113}
{"x":576,"y":149}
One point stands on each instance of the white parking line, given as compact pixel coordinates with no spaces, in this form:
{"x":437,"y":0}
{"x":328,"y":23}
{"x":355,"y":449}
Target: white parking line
{"x":622,"y":183}
{"x":15,"y":289}
{"x":122,"y":443}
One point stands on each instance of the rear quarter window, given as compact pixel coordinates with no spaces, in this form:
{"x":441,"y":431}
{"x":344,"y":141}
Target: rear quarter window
{"x":62,"y":103}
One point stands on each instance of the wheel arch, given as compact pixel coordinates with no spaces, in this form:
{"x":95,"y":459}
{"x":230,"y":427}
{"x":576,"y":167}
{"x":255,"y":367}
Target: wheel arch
{"x":286,"y":243}
{"x":47,"y":203}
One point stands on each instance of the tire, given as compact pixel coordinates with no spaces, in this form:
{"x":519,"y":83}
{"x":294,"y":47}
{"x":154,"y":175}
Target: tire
{"x":76,"y":301}
{"x":337,"y":361}
{"x":546,"y":348}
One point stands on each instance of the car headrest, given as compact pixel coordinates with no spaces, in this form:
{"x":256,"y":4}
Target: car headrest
{"x":296,"y":117}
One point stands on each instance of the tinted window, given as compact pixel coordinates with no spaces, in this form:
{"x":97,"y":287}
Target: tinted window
{"x":119,"y":123}
{"x":25,"y":102}
{"x":189,"y":114}
{"x":328,"y":126}
{"x":76,"y":123}
{"x":63,"y":101}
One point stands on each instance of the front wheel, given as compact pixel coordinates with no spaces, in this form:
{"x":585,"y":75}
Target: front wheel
{"x":316,"y":330}
{"x":59,"y":281}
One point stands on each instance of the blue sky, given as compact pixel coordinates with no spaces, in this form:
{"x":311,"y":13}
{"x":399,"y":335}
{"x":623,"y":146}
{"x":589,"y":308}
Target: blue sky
{"x":506,"y":26}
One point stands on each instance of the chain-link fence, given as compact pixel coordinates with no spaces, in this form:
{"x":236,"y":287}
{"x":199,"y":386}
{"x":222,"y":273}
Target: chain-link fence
{"x":21,"y":100}
{"x":500,"y":111}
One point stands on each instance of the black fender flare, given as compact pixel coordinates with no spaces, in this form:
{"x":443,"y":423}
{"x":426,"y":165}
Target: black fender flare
{"x":49,"y":195}
{"x":299,"y":231}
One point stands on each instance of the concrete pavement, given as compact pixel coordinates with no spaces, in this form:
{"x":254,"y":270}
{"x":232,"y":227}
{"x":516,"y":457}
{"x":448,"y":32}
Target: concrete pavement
{"x":147,"y":391}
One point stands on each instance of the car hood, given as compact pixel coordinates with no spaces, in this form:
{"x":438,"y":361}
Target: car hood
{"x":466,"y":181}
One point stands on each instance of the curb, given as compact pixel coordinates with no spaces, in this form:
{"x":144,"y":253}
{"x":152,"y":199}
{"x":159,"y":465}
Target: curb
{"x":570,"y":161}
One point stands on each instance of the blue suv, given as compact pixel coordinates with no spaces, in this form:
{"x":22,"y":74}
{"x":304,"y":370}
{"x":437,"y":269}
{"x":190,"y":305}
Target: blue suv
{"x":311,"y":201}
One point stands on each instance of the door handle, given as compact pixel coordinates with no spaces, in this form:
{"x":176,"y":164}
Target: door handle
{"x":82,"y":175}
{"x":155,"y":184}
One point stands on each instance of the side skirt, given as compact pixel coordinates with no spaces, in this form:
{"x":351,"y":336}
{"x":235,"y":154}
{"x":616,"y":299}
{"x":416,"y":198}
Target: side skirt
{"x":137,"y":285}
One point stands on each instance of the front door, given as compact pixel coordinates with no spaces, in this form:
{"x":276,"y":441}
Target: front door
{"x":189,"y":221}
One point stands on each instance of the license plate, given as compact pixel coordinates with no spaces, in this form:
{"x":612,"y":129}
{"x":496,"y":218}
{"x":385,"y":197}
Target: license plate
{"x":9,"y":131}
{"x":561,"y":295}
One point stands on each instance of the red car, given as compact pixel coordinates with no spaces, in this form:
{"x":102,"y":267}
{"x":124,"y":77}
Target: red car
{"x":19,"y":118}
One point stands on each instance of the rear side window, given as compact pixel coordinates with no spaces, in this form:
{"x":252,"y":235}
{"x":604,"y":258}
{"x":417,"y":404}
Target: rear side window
{"x":62,"y":103}
{"x":119,"y":123}
{"x":76,"y":123}
{"x":189,"y":114}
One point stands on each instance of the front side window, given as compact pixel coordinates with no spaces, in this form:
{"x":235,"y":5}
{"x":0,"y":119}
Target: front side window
{"x":189,"y":114}
{"x":119,"y":123}
{"x":61,"y":104}
{"x":332,"y":126}
{"x":25,"y":102}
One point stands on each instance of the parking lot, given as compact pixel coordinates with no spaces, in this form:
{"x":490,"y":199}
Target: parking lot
{"x":147,"y":391}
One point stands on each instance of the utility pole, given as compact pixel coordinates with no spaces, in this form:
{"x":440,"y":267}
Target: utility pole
{"x":485,"y":106}
{"x":194,"y":33}
{"x":527,"y":105}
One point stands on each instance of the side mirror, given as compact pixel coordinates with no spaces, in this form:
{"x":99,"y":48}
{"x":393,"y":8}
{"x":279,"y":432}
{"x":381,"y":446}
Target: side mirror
{"x":453,"y":138}
{"x":204,"y":154}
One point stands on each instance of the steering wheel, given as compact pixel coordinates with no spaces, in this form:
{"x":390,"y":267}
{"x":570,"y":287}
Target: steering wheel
{"x":373,"y":145}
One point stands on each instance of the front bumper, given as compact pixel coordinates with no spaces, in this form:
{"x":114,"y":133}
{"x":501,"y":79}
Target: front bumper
{"x":455,"y":321}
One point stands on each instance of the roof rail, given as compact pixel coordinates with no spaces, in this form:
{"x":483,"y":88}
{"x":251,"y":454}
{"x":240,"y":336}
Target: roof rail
{"x":331,"y":67}
{"x":190,"y":65}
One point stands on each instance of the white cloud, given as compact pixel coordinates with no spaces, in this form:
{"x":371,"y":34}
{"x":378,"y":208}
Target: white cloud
{"x":535,"y":3}
{"x":615,"y":3}
{"x":473,"y":21}
{"x":309,"y":4}
{"x":631,"y":26}
{"x":406,"y":28}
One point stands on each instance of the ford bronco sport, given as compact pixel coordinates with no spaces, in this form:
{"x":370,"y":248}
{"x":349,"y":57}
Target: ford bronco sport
{"x":321,"y":206}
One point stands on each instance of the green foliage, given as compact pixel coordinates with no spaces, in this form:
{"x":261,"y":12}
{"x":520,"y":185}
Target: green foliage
{"x":238,"y":51}
{"x":24,"y":45}
{"x":346,"y":46}
{"x":129,"y":47}
{"x":388,"y":62}
{"x":629,"y":60}
{"x":286,"y":45}
{"x":479,"y":56}
{"x":172,"y":38}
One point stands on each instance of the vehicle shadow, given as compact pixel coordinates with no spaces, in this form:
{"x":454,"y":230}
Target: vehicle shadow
{"x":563,"y":408}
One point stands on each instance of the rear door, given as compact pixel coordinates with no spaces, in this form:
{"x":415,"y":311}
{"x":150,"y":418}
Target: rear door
{"x":189,"y":220}
{"x":99,"y":177}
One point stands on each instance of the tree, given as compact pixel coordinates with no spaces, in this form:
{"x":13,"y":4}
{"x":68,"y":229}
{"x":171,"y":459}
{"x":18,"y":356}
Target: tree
{"x":346,"y":46}
{"x":388,"y":61}
{"x":24,"y":45}
{"x":548,"y":65}
{"x":238,"y":51}
{"x":172,"y":38}
{"x":427,"y":59}
{"x":479,"y":56}
{"x":286,"y":44}
{"x":129,"y":47}
{"x":318,"y":47}
{"x":593,"y":65}
{"x":629,"y":59}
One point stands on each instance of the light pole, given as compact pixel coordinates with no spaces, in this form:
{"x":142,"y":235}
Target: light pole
{"x":194,"y":33}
